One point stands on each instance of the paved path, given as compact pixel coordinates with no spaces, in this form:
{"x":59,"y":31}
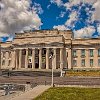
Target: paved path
{"x":29,"y":95}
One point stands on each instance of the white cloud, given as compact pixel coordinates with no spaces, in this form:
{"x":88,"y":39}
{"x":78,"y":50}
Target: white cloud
{"x":60,"y":27}
{"x":37,"y":8}
{"x":16,"y":15}
{"x":57,"y":2}
{"x":84,"y":32}
{"x":62,"y":14}
{"x":98,"y":29}
{"x":48,"y":6}
{"x":96,"y":14}
{"x":72,"y":18}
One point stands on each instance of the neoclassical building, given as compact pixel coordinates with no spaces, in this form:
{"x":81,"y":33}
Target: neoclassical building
{"x":44,"y":49}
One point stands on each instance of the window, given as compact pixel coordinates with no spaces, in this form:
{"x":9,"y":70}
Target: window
{"x":30,"y":52}
{"x":4,"y":54}
{"x":83,"y":52}
{"x":99,"y":52}
{"x":83,"y":62}
{"x":3,"y":62}
{"x":9,"y":54}
{"x":98,"y":62}
{"x":91,"y":62}
{"x":74,"y":63}
{"x":91,"y":52}
{"x":74,"y":53}
{"x":43,"y":51}
{"x":23,"y":52}
{"x":9,"y":62}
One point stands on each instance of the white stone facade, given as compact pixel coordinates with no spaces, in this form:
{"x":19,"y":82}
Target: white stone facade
{"x":32,"y":51}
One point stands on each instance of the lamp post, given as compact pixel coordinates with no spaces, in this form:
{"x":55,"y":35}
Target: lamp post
{"x":0,"y":56}
{"x":61,"y":74}
{"x":52,"y":57}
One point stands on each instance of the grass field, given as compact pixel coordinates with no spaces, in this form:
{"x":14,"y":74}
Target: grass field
{"x":83,"y":73}
{"x":69,"y":93}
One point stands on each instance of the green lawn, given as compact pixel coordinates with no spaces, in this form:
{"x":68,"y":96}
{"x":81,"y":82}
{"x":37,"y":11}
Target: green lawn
{"x":83,"y":73}
{"x":67,"y":93}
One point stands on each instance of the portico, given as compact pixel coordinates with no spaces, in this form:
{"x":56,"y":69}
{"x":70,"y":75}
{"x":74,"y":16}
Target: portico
{"x":31,"y":51}
{"x":38,"y":60}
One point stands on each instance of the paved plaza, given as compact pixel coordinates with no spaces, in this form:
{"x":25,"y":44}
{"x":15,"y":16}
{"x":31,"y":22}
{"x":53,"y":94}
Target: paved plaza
{"x":37,"y":80}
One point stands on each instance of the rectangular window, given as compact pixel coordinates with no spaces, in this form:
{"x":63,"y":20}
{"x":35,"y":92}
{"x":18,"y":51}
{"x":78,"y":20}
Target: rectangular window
{"x":98,"y":52}
{"x":9,"y":62}
{"x":74,"y":53}
{"x":4,"y":54}
{"x":9,"y":54}
{"x":83,"y":62}
{"x":23,"y":52}
{"x":91,"y":52}
{"x":98,"y":62}
{"x":83,"y":52}
{"x":74,"y":63}
{"x":91,"y":62}
{"x":30,"y":52}
{"x":3,"y":62}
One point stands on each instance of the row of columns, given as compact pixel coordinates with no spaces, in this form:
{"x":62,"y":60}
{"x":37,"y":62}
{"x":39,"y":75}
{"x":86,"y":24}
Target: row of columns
{"x":54,"y":60}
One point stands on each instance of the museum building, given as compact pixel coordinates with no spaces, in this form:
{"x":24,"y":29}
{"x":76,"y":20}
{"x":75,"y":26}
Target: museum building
{"x":47,"y":49}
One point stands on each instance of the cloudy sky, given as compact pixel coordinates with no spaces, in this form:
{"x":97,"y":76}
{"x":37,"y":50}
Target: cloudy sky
{"x":80,"y":16}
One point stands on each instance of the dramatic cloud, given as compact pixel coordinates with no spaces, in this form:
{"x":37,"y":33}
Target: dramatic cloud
{"x":17,"y":15}
{"x":71,"y":21}
{"x":37,"y":7}
{"x":96,"y":14}
{"x":84,"y":32}
{"x":58,"y":2}
{"x":60,"y":27}
{"x":98,"y":29}
{"x":76,"y":21}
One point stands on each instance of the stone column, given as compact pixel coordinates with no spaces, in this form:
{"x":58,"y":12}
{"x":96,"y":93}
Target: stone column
{"x":87,"y":58}
{"x":26,"y":59}
{"x":16,"y":59}
{"x":54,"y":59}
{"x":61,"y":58}
{"x":20,"y":58}
{"x":40,"y":58}
{"x":7,"y":59}
{"x":13,"y":58}
{"x":33,"y":58}
{"x":47,"y":58}
{"x":95,"y":57}
{"x":70,"y":58}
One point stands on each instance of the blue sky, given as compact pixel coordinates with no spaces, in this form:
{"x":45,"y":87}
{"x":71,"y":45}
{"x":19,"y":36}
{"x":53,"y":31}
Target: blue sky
{"x":81,"y":17}
{"x":49,"y":15}
{"x":84,"y":22}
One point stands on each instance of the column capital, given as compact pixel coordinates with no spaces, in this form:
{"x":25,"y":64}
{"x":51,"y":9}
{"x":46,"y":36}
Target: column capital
{"x":33,"y":48}
{"x":54,"y":48}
